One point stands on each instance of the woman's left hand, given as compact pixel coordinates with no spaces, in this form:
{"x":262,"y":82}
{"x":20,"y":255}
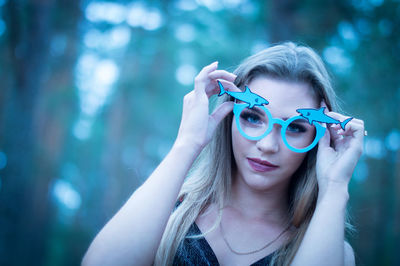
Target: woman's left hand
{"x":338,"y":153}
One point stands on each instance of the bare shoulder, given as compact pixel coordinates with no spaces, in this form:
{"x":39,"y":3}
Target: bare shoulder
{"x":349,"y":259}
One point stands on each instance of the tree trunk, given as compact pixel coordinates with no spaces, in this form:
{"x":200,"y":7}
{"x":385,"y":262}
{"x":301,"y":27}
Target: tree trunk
{"x":24,"y":214}
{"x":281,"y":23}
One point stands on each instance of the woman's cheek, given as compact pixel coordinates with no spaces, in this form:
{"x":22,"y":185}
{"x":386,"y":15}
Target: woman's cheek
{"x":294,"y":160}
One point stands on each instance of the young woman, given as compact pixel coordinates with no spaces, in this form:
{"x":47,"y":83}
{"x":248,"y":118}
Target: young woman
{"x":247,"y":200}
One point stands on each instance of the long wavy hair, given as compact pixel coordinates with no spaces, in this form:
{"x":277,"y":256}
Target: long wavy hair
{"x":209,"y":180}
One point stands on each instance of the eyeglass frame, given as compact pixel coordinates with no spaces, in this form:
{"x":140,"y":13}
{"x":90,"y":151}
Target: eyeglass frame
{"x":320,"y":130}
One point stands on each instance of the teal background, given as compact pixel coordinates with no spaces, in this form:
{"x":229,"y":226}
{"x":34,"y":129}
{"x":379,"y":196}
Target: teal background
{"x":91,"y":97}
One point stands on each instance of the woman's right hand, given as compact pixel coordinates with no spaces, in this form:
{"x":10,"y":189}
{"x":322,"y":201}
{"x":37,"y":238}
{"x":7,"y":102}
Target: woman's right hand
{"x":148,"y":209}
{"x":197,"y":125}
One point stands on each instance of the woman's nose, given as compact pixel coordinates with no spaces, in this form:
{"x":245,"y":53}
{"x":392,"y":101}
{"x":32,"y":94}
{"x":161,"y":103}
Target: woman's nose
{"x":271,"y":142}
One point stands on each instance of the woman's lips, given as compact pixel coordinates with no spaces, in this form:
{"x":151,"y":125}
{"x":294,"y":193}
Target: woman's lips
{"x":259,"y":165}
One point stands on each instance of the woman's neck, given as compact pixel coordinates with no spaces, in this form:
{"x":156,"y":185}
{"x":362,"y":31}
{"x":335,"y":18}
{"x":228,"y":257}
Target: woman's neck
{"x":269,"y":205}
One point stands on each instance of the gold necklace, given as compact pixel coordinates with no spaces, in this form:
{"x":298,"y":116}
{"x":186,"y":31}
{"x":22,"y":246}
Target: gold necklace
{"x":254,"y":251}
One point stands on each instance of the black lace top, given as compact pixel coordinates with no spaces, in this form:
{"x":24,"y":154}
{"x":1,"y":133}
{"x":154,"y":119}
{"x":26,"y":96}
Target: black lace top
{"x":197,"y":251}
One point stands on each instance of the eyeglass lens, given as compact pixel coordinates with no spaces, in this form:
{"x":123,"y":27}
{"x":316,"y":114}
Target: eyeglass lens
{"x":255,"y":122}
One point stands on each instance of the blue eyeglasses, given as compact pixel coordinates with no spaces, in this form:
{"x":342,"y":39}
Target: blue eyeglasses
{"x":297,"y":133}
{"x":300,"y":133}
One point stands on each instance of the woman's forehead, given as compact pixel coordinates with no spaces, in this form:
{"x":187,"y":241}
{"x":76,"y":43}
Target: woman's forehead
{"x":284,"y":95}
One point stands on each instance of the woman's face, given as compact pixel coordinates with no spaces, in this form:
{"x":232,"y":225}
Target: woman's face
{"x":267,"y":163}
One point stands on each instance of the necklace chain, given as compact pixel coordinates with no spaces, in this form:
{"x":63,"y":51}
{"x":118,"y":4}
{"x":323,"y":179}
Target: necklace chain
{"x":254,"y":251}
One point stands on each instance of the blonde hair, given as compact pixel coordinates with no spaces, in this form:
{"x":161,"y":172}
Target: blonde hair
{"x":209,"y":180}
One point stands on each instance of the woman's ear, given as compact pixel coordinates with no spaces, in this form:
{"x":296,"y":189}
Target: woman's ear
{"x":323,"y":104}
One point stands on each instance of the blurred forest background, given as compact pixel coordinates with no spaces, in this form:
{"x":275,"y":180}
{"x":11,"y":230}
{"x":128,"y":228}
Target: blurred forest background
{"x":91,"y":97}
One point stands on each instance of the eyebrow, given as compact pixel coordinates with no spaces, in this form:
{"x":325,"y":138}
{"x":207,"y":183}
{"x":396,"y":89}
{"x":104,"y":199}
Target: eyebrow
{"x":302,"y":121}
{"x":257,"y":110}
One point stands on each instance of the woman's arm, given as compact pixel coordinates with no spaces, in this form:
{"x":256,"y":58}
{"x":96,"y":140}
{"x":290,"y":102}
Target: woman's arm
{"x":338,"y":153}
{"x":323,"y":243}
{"x":133,"y":235}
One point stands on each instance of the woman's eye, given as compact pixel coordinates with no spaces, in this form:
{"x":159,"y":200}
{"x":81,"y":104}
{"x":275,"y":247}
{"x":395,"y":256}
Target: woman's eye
{"x":296,"y":128}
{"x":251,"y":117}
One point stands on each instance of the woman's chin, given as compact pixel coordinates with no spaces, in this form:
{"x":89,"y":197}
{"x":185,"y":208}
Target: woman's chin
{"x":260,"y":182}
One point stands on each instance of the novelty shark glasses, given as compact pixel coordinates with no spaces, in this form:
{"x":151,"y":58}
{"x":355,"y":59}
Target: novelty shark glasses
{"x":300,"y":133}
{"x":257,"y":122}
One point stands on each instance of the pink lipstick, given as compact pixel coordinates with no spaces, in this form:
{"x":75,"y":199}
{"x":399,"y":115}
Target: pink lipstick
{"x":259,"y":165}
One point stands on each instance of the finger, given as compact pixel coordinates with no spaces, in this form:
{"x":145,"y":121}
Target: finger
{"x":354,"y":128}
{"x":202,"y":78}
{"x":336,"y":116}
{"x":354,"y":138}
{"x":222,"y":74}
{"x":214,"y":87}
{"x":324,"y":145}
{"x":203,"y":74}
{"x":209,"y":68}
{"x":226,"y":83}
{"x":341,"y":118}
{"x":324,"y":142}
{"x":222,"y":111}
{"x":229,"y":86}
{"x":334,"y":131}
